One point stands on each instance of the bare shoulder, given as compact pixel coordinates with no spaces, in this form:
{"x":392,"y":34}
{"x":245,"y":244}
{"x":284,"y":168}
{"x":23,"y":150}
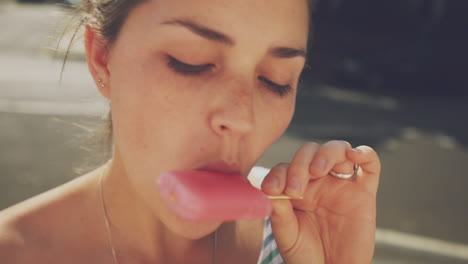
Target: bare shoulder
{"x":45,"y":223}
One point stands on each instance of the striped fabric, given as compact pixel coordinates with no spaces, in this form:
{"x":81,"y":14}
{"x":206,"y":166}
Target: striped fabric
{"x":270,"y":253}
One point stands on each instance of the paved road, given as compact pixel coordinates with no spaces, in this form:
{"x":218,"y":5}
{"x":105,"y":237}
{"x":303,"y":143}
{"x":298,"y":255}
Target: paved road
{"x":421,"y":140}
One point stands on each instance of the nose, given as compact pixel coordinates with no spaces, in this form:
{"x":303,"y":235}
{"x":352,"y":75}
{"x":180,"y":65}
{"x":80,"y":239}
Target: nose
{"x":233,"y":110}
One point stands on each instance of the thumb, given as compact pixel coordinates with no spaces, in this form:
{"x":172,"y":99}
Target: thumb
{"x":284,"y":222}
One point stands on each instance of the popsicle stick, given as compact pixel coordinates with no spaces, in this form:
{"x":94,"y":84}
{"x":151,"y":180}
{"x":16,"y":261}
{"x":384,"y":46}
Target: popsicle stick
{"x":282,"y":197}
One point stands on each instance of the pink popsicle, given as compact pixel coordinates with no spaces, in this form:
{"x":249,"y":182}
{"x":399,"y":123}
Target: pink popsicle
{"x":211,"y":196}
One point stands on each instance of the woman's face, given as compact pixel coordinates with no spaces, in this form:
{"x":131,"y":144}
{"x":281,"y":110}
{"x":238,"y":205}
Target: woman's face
{"x":206,"y":84}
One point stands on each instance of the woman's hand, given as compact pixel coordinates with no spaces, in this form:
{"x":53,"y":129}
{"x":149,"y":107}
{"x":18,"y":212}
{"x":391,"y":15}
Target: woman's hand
{"x":335,"y":221}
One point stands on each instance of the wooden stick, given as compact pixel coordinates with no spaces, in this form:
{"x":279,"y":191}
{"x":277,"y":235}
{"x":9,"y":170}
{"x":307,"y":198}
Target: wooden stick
{"x":283,"y":197}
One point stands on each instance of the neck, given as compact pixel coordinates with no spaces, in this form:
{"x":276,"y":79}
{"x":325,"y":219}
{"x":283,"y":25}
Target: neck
{"x":138,"y":231}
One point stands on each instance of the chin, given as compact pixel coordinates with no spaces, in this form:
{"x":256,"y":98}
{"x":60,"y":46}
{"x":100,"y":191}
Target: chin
{"x":190,"y":229}
{"x":185,"y":228}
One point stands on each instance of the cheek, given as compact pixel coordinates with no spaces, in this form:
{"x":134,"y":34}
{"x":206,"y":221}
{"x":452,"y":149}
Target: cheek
{"x":274,"y":119}
{"x":150,"y":106}
{"x":137,"y":107}
{"x":277,"y":111}
{"x":282,"y":118}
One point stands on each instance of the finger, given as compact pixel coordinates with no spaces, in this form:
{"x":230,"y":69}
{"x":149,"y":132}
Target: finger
{"x":284,"y":223}
{"x":369,"y":161}
{"x":298,"y":171}
{"x":274,"y":182}
{"x":331,"y":156}
{"x":283,"y":220}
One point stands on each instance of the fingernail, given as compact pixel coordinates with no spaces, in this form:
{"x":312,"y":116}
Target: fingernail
{"x":294,"y":188}
{"x":272,"y":182}
{"x":319,"y":164}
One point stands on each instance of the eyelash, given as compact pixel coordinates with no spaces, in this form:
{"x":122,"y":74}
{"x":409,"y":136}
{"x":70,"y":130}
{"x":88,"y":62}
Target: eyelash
{"x":187,"y":69}
{"x":194,"y":70}
{"x":277,"y":88}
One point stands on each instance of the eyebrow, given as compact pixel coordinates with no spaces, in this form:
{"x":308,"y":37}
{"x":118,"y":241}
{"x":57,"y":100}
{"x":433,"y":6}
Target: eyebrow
{"x":216,"y":36}
{"x":202,"y":31}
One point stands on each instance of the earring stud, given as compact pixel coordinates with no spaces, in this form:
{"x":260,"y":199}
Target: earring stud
{"x":100,"y":81}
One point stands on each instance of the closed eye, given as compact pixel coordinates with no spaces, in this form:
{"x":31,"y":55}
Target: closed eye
{"x":277,"y":88}
{"x":194,"y":70}
{"x":187,"y":69}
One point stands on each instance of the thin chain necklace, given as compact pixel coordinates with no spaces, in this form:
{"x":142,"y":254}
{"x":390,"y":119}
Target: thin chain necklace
{"x":109,"y":235}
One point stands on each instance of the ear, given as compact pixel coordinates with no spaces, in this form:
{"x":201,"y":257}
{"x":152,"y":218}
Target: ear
{"x":97,"y":58}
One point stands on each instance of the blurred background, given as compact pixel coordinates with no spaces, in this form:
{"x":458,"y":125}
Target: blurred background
{"x":389,"y":74}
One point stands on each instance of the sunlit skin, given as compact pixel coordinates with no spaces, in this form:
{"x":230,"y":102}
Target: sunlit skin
{"x":206,"y":84}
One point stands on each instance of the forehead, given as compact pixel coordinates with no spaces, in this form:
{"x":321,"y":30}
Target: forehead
{"x":253,"y":20}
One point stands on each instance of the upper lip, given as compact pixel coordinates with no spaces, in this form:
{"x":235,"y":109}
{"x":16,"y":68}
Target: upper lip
{"x":223,"y":167}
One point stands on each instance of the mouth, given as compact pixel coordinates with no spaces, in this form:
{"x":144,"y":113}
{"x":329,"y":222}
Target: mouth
{"x":222,"y":166}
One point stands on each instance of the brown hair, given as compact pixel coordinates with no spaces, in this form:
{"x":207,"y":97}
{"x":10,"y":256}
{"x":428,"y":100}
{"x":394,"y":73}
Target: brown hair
{"x":107,"y":16}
